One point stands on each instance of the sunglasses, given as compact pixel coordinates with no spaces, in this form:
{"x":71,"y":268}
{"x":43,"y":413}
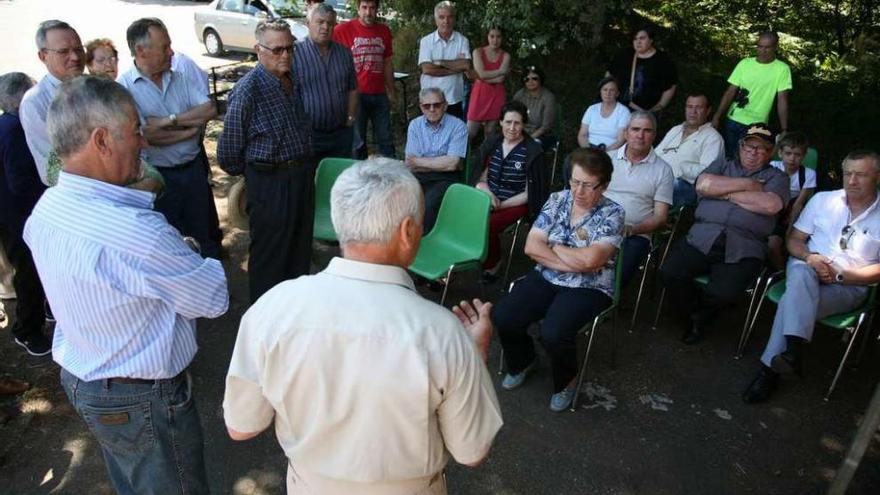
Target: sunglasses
{"x":531,"y":78}
{"x":432,"y":106}
{"x":846,"y":234}
{"x":278,"y":50}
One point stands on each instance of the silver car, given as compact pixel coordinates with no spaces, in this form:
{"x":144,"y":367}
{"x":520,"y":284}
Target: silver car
{"x":229,"y":24}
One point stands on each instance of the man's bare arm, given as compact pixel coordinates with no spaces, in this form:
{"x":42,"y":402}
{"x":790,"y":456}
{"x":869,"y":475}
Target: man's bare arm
{"x":197,"y":116}
{"x":719,"y":186}
{"x":388,"y":72}
{"x":430,"y":69}
{"x":240,"y":436}
{"x":764,"y":203}
{"x":726,"y":100}
{"x":158,"y":136}
{"x":446,"y":163}
{"x":654,"y":222}
{"x":782,"y":109}
{"x":796,"y":243}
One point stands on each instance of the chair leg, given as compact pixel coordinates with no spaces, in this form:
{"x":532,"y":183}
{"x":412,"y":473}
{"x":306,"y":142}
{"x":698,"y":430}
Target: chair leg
{"x":446,"y":286}
{"x":553,"y":167}
{"x":747,"y":332}
{"x":865,"y":339}
{"x":613,"y":340}
{"x":501,"y":362}
{"x":756,"y":289}
{"x":583,"y":371}
{"x":510,"y":254}
{"x":845,"y":355}
{"x":659,"y":308}
{"x":632,"y":323}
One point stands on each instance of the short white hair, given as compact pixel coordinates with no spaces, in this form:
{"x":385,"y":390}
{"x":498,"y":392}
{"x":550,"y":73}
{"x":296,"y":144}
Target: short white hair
{"x":370,"y":199}
{"x":444,"y":5}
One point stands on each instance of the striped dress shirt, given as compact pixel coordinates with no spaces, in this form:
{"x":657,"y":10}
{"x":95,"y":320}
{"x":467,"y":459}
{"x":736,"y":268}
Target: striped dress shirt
{"x":124,"y":287}
{"x":326,"y":82}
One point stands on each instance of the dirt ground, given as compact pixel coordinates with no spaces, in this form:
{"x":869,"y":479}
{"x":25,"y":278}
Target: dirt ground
{"x":666,"y":420}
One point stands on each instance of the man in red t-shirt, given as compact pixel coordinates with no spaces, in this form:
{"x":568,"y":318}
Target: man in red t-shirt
{"x":370,"y":43}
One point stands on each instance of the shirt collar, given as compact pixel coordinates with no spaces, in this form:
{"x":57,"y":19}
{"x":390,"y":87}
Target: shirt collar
{"x":370,"y":272}
{"x":125,"y":196}
{"x":621,"y":155}
{"x":438,"y":39}
{"x":864,"y":213}
{"x":53,"y":81}
{"x":136,"y":74}
{"x":439,"y":126}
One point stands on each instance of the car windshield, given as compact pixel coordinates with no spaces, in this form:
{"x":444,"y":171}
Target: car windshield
{"x":288,"y":8}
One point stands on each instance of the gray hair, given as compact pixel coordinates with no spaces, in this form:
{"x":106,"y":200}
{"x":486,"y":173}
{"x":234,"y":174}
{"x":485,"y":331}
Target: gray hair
{"x":82,"y":105}
{"x":645,"y":115}
{"x":271,"y":25}
{"x":444,"y":5}
{"x":138,"y":33}
{"x":370,"y":199}
{"x":47,"y":26}
{"x":322,"y":9}
{"x":424,"y":92}
{"x":863,"y":155}
{"x":13,"y":86}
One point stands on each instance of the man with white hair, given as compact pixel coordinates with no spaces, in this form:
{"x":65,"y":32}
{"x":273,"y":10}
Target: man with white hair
{"x":367,"y":383}
{"x":445,"y":57}
{"x":62,"y":52}
{"x":126,"y":290}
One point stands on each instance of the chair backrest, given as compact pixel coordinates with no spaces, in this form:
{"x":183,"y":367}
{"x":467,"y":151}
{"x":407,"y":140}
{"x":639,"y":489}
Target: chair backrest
{"x":328,"y":170}
{"x":618,"y":273}
{"x":463,"y":220}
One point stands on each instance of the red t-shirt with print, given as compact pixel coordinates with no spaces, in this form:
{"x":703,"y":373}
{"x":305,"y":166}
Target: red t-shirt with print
{"x":370,"y":46}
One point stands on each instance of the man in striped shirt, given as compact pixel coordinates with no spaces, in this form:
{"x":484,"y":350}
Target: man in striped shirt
{"x":126,"y":290}
{"x":325,"y":70}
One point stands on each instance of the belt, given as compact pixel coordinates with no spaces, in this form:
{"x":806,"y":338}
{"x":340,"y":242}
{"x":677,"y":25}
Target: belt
{"x":143,"y":381}
{"x":272,"y":167}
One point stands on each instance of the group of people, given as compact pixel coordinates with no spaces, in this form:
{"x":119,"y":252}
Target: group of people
{"x":124,"y":245}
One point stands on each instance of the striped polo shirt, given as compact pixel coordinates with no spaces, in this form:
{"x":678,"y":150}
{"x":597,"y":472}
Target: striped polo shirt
{"x":326,"y":82}
{"x":507,"y":175}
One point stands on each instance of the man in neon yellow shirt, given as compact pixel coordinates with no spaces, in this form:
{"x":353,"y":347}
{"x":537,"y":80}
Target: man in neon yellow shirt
{"x":754,"y":83}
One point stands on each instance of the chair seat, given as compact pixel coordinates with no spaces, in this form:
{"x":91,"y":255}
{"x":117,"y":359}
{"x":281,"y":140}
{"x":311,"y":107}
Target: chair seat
{"x":702,"y":280}
{"x":437,"y":253}
{"x":839,"y":321}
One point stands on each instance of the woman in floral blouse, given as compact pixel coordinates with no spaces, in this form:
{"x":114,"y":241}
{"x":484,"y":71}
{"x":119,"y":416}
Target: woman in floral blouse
{"x":574,"y":242}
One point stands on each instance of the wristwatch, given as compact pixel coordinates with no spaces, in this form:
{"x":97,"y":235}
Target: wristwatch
{"x":838,"y":277}
{"x":173,"y":119}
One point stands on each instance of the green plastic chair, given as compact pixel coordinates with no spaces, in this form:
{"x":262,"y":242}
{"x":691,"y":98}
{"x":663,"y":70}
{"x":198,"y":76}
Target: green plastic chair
{"x":328,"y":170}
{"x":589,"y":330}
{"x":850,"y":321}
{"x":460,"y":237}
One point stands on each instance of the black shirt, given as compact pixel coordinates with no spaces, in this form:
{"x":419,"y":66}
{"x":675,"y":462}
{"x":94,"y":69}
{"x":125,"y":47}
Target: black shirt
{"x":653,"y":76}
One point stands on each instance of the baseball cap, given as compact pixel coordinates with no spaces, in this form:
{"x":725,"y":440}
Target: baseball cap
{"x":760,"y":131}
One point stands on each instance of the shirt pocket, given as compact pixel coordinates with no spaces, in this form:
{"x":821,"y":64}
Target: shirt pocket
{"x":866,"y":246}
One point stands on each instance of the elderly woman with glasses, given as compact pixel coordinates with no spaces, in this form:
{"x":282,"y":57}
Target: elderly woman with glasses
{"x":574,"y":241}
{"x":102,"y":59}
{"x":541,"y":105}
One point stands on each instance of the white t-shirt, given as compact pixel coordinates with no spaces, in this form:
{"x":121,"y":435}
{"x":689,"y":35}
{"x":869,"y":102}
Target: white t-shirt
{"x":605,"y":130}
{"x":795,"y":188}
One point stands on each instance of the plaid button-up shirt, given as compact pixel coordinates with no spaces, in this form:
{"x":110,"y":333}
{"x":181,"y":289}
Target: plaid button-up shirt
{"x":263,"y":123}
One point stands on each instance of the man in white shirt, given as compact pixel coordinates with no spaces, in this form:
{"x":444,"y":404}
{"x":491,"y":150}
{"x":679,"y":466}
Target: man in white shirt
{"x":444,"y":58}
{"x":642,"y":184}
{"x":835,"y":254}
{"x":367,"y":383}
{"x":60,"y":49}
{"x":690,"y":147}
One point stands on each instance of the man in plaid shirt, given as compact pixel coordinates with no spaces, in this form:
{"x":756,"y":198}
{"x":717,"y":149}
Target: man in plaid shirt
{"x":267,"y":137}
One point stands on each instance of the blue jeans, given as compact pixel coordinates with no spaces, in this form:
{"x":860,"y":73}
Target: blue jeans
{"x":683,"y":194}
{"x":149,"y":433}
{"x":733,"y":131}
{"x":377,"y":109}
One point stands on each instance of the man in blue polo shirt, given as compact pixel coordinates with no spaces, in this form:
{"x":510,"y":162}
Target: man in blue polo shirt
{"x":173,"y":112}
{"x":436,"y":144}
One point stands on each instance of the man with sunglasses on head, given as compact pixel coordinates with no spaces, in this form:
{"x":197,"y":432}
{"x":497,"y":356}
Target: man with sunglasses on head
{"x":61,"y":51}
{"x":739,"y":203}
{"x":835,"y":254}
{"x":267,"y":136}
{"x":690,"y":147}
{"x":436,"y":145}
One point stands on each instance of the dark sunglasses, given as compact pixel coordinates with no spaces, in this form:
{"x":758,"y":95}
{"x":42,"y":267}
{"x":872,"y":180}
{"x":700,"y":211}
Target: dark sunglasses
{"x":278,"y":50}
{"x":846,"y":234}
{"x":431,"y":106}
{"x":531,"y":78}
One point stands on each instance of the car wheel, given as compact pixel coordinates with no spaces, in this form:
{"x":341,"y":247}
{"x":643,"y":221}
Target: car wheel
{"x":213,"y":44}
{"x":236,"y":206}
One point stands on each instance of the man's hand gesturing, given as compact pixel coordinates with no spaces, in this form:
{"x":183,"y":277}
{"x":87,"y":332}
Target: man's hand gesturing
{"x":476,"y":320}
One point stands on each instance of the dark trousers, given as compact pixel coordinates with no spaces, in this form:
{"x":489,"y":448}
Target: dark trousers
{"x":564,"y":310}
{"x":335,"y":143}
{"x":434,"y":186}
{"x":732,"y":131}
{"x":375,"y":109}
{"x":188,"y":203}
{"x":281,"y":206}
{"x":727,"y":281}
{"x":635,"y":250}
{"x":30,"y":314}
{"x":456,"y":110}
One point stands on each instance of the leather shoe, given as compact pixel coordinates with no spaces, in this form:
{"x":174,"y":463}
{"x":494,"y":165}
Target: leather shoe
{"x":692,"y":335}
{"x":786,"y":363}
{"x":762,"y":387}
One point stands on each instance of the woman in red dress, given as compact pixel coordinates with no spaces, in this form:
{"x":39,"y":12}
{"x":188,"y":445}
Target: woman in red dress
{"x":491,"y":65}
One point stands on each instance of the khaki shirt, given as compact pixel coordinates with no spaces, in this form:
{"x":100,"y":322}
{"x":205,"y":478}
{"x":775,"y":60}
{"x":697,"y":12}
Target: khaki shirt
{"x":366,"y":381}
{"x":689,"y":156}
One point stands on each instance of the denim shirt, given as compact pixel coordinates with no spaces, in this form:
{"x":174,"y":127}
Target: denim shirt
{"x":604,"y":223}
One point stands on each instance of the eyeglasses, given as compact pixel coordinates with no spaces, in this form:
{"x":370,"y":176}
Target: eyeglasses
{"x":754,"y":148}
{"x":79,"y":50}
{"x":432,"y":106}
{"x":577,"y":184}
{"x":101,"y":61}
{"x":846,"y":234}
{"x":278,"y":50}
{"x":531,"y":78}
